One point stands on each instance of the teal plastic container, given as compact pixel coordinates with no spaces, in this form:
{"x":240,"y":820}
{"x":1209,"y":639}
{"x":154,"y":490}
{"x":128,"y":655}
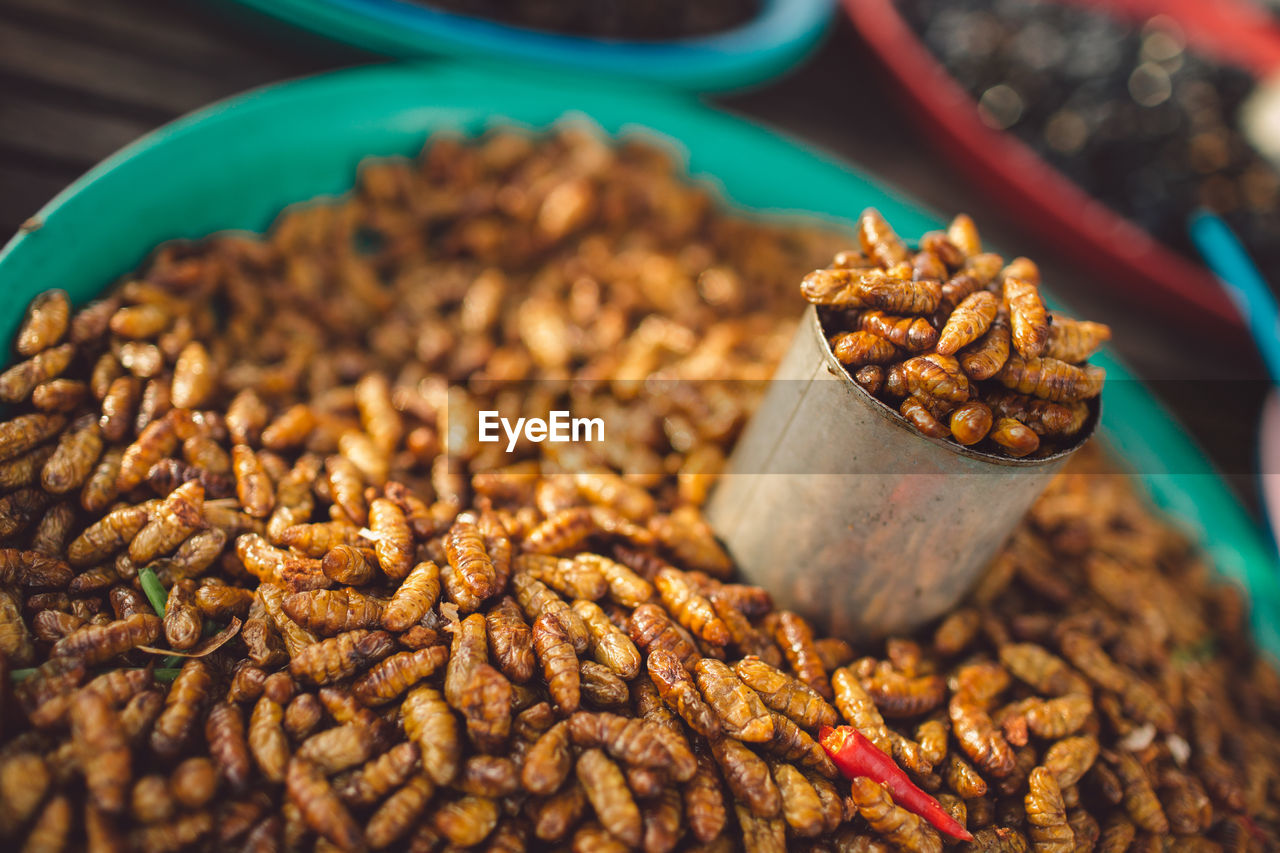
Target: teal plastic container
{"x":236,"y":164}
{"x":776,"y":39}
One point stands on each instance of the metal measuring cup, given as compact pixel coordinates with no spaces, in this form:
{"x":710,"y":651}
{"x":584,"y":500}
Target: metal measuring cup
{"x":852,"y":518}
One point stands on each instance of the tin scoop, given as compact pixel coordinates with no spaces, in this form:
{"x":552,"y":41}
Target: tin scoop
{"x":848,"y":516}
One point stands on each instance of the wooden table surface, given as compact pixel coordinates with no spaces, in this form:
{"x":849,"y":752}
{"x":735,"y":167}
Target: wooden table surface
{"x":81,"y":78}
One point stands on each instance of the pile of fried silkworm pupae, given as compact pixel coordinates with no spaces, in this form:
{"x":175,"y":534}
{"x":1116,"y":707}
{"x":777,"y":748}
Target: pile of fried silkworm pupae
{"x":958,"y":341}
{"x":262,"y":588}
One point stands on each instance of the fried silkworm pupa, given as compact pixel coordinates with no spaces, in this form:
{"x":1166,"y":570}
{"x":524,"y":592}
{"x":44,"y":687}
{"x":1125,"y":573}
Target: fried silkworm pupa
{"x":607,"y":791}
{"x":607,"y":489}
{"x":393,"y":542}
{"x":228,"y":746}
{"x":194,"y":781}
{"x":346,"y":564}
{"x":570,"y":578}
{"x":394,"y":676}
{"x":663,"y":818}
{"x":24,"y":781}
{"x":651,"y":629}
{"x":102,"y":749}
{"x":347,"y":488}
{"x":320,"y":808}
{"x":1043,"y":670}
{"x":247,"y":683}
{"x":968,"y":322}
{"x":564,"y":530}
{"x":429,"y":722}
{"x":266,"y":739}
{"x":182,"y":620}
{"x":609,"y":645}
{"x":466,"y":821}
{"x":748,"y":777}
{"x":690,"y":609}
{"x":156,"y":441}
{"x":1029,"y":319}
{"x":897,"y":695}
{"x":340,"y":657}
{"x":45,"y":323}
{"x":74,"y":459}
{"x":24,"y":470}
{"x":878,"y":239}
{"x":740,"y":709}
{"x":548,"y":761}
{"x":785,"y":694}
{"x":913,"y":334}
{"x":536,"y":598}
{"x":795,"y":637}
{"x":962,"y":233}
{"x":399,"y":812}
{"x":1140,"y":800}
{"x":691,"y":541}
{"x":792,"y":743}
{"x":290,"y":428}
{"x":32,"y":569}
{"x":534,"y":720}
{"x":465,"y":548}
{"x":100,"y":643}
{"x":476,"y":689}
{"x":979,"y":737}
{"x":1050,"y":379}
{"x":559,"y":662}
{"x":316,"y":539}
{"x":1014,"y":437}
{"x":417,"y":593}
{"x":339,"y":748}
{"x":511,"y":640}
{"x":328,"y":612}
{"x":1042,"y":416}
{"x":1046,"y":815}
{"x":937,"y":377}
{"x":254,"y":487}
{"x":899,"y":826}
{"x":801,"y":807}
{"x":17,"y":383}
{"x":863,"y":348}
{"x":859,"y":709}
{"x":1075,"y":340}
{"x":984,"y":358}
{"x":680,"y":692}
{"x":20,"y":434}
{"x":106,"y":536}
{"x":373,"y":780}
{"x":636,"y":742}
{"x":704,"y":805}
{"x":1070,"y":759}
{"x":625,"y":586}
{"x":760,"y":835}
{"x":150,"y":801}
{"x":870,"y":377}
{"x":1057,"y":718}
{"x":182,"y":708}
{"x":51,"y":827}
{"x":553,"y":816}
{"x":600,"y":687}
{"x":971,"y":422}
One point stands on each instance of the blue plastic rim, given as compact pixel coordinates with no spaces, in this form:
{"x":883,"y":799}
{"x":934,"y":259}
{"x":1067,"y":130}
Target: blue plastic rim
{"x":775,"y":40}
{"x":236,"y":164}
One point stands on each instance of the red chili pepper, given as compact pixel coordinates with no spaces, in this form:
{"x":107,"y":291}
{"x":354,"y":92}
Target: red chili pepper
{"x":857,"y":756}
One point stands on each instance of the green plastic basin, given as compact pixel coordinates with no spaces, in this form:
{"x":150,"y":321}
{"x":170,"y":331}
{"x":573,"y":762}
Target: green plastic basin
{"x":235,"y":164}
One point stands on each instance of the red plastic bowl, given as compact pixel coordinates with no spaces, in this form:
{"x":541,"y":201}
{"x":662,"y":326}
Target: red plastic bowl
{"x":1050,"y":204}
